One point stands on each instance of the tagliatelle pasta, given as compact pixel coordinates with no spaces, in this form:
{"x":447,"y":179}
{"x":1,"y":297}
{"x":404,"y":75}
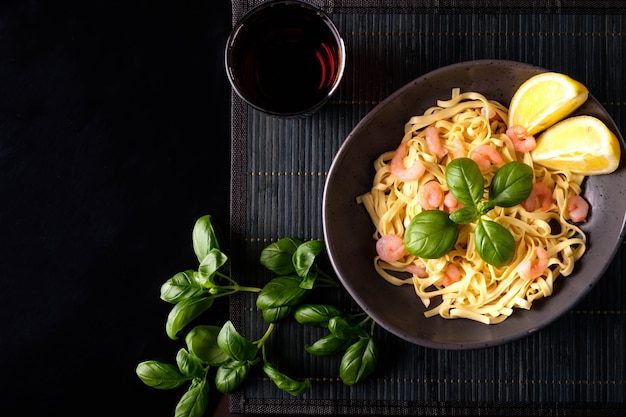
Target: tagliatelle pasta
{"x":461,"y":283}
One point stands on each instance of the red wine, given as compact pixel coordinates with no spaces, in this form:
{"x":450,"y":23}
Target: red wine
{"x":285,"y":58}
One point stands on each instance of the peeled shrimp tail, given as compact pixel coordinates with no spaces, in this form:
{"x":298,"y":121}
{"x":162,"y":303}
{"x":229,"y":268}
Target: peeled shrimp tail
{"x":486,"y":156}
{"x":521,"y":139}
{"x":578,"y":209}
{"x":403,"y":173}
{"x":531,"y":269}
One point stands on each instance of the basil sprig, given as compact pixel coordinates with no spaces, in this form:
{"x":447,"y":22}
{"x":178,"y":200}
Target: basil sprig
{"x":223,"y":358}
{"x":346,"y":335}
{"x":433,"y":233}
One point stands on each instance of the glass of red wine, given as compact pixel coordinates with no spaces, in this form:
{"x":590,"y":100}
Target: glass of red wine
{"x":285,"y":58}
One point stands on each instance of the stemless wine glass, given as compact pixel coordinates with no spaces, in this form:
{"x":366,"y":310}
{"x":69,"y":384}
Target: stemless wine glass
{"x":285,"y":58}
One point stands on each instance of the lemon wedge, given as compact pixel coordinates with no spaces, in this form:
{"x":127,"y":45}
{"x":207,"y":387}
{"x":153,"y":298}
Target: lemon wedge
{"x":544,"y":99}
{"x":580,"y":144}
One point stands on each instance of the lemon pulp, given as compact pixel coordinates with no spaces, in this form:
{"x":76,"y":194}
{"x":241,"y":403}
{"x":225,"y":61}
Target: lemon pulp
{"x":580,"y":144}
{"x":545,"y":99}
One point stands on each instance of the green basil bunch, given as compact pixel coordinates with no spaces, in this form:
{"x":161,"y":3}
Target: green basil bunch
{"x":433,"y":233}
{"x":193,"y":291}
{"x":295,"y":264}
{"x":360,"y":354}
{"x":221,"y":356}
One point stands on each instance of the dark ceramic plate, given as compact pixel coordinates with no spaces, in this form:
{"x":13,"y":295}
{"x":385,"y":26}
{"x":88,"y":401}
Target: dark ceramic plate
{"x":348,"y":229}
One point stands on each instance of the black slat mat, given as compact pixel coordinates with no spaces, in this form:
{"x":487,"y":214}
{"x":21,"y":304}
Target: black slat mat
{"x":576,"y":366}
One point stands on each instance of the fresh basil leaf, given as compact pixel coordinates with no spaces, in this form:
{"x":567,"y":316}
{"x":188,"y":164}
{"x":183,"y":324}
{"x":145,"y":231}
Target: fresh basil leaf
{"x":464,"y":215}
{"x":234,"y":345}
{"x":465,"y":181}
{"x":189,"y":364}
{"x":304,"y":257}
{"x":184,"y":312}
{"x":358,"y":362}
{"x":431,"y":234}
{"x":213,"y":261}
{"x":181,"y":286}
{"x":284,"y":382}
{"x":308,"y":281}
{"x":511,"y":184}
{"x":230,"y":375}
{"x":274,"y":314}
{"x":204,"y":237}
{"x":316,"y":314}
{"x":283,"y":293}
{"x":194,"y":401}
{"x":494,"y":243}
{"x":277,"y":256}
{"x":202,"y":342}
{"x":160,"y":375}
{"x":330,"y":344}
{"x":344,"y":328}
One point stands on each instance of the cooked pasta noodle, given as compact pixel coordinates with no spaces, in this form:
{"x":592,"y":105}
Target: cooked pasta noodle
{"x":482,"y":292}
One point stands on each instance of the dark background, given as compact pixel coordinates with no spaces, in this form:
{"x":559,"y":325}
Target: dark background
{"x":114,"y":139}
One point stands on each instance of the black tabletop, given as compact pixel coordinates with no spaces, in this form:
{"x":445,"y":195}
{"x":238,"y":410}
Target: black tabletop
{"x":114,"y":139}
{"x":115,"y":136}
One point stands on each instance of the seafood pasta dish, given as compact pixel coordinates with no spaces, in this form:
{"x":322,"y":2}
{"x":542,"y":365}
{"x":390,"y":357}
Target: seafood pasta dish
{"x":503,"y":251}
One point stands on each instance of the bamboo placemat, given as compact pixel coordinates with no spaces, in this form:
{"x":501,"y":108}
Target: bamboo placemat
{"x":577,"y":365}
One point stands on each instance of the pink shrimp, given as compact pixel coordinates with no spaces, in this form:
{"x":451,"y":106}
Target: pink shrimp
{"x":458,"y":149}
{"x":578,"y":208}
{"x":403,"y":173}
{"x":486,"y":156}
{"x":430,"y":195}
{"x":418,"y":270}
{"x":451,"y":275}
{"x":451,"y":203}
{"x":531,"y":269}
{"x":390,"y":248}
{"x":522,"y":140}
{"x":540,"y":196}
{"x":490,"y":114}
{"x":433,"y":140}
